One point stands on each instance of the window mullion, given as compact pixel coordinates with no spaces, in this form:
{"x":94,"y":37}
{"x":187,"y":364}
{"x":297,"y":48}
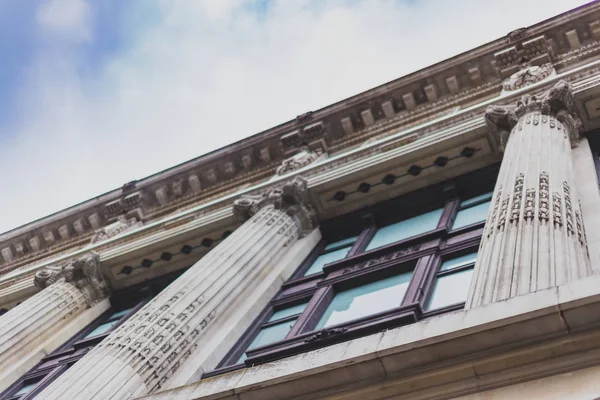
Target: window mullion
{"x":363,"y":240}
{"x":417,"y":286}
{"x":449,"y":214}
{"x":313,"y":311}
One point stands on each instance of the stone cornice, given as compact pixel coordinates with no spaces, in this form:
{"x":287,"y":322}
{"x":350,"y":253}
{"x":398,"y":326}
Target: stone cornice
{"x":422,"y":101}
{"x":319,"y":174}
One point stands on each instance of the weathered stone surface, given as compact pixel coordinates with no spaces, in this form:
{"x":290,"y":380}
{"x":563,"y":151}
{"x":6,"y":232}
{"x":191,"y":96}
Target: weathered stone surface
{"x":66,"y":292}
{"x":535,"y":236}
{"x":142,"y":354}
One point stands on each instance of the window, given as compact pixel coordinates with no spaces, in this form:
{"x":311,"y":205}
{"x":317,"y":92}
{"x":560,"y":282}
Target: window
{"x":413,"y":258}
{"x":405,"y":229}
{"x":112,"y":320}
{"x":332,"y":252}
{"x":472,"y":210}
{"x":276,"y":328}
{"x":361,"y":301}
{"x":452,"y":281}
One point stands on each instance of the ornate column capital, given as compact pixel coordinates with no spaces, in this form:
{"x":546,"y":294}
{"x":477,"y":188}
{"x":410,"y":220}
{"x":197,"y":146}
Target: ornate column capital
{"x":292,"y":198}
{"x":84,"y":273}
{"x":557,"y":102}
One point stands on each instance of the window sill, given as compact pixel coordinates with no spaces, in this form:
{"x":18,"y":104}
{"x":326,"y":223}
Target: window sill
{"x":335,"y":334}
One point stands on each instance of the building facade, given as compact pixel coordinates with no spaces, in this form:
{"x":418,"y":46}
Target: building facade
{"x":431,"y":238}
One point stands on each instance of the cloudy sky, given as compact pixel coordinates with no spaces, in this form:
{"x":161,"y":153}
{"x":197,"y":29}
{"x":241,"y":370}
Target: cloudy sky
{"x":94,"y":94}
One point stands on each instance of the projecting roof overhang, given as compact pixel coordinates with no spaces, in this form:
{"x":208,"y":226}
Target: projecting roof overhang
{"x":461,"y":138}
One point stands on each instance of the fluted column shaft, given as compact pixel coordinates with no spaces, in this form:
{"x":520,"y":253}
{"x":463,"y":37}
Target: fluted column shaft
{"x":66,"y":293}
{"x":142,"y":354}
{"x":534,"y":236}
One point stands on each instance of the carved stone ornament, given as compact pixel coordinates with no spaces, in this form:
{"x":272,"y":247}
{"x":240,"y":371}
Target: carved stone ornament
{"x":292,"y":198}
{"x":84,"y":273}
{"x":297,"y":161}
{"x":529,"y":74}
{"x":557,"y":103}
{"x":121,"y":225}
{"x":324,"y":334}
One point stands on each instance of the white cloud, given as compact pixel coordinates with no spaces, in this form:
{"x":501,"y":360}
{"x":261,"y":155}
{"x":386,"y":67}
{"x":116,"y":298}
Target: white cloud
{"x":212,"y":72}
{"x":67,"y":18}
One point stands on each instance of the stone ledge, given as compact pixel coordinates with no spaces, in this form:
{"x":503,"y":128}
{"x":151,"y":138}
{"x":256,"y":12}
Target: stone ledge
{"x":490,"y":345}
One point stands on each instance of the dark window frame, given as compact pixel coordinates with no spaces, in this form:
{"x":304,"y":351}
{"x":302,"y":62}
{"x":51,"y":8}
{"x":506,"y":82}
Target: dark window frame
{"x":424,"y":253}
{"x":594,"y":143}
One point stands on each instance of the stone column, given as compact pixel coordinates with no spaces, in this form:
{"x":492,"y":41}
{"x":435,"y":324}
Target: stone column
{"x":141,"y":355}
{"x":66,"y":292}
{"x":534,"y":236}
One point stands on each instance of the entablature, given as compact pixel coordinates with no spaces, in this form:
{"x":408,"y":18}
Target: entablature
{"x":414,"y":131}
{"x":396,"y":164}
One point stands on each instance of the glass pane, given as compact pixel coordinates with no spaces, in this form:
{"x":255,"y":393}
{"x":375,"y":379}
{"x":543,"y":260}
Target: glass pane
{"x":105,"y":327}
{"x":341,"y":242}
{"x":468,"y":202}
{"x":287,"y":312}
{"x":365,"y":300}
{"x":405,"y":229}
{"x":26,"y":388}
{"x":471,"y":215}
{"x":269,"y":335}
{"x":120,"y":314}
{"x":450,"y":289}
{"x":242,"y":359}
{"x":459,"y":261}
{"x":326,"y":259}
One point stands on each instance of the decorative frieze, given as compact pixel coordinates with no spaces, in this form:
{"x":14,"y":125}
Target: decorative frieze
{"x":121,"y":225}
{"x":528,"y":75}
{"x":557,"y":209}
{"x":568,"y":208}
{"x":544,"y":196}
{"x":299,"y":160}
{"x":516,"y":201}
{"x":491,"y":221}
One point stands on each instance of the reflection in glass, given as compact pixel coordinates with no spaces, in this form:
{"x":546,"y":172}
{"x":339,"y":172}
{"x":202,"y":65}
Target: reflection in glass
{"x":476,"y":199}
{"x":404,"y":229}
{"x":459,"y":261}
{"x":342,"y":242}
{"x":450,"y":289}
{"x":105,"y":327}
{"x":365,"y":300}
{"x":26,"y":388}
{"x":327,"y":258}
{"x":276,"y":332}
{"x":287,"y":312}
{"x":471,"y":215}
{"x":120,"y":314}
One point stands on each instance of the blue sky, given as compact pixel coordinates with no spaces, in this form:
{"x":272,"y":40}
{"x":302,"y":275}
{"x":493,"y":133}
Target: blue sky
{"x":94,"y":94}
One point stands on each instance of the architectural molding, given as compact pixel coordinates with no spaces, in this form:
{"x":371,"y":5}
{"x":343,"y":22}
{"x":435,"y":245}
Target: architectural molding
{"x":528,"y":75}
{"x":410,"y":100}
{"x":122,"y":224}
{"x":291,"y":197}
{"x":84,"y":273}
{"x":558,"y":102}
{"x":299,"y":160}
{"x":535,"y":233}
